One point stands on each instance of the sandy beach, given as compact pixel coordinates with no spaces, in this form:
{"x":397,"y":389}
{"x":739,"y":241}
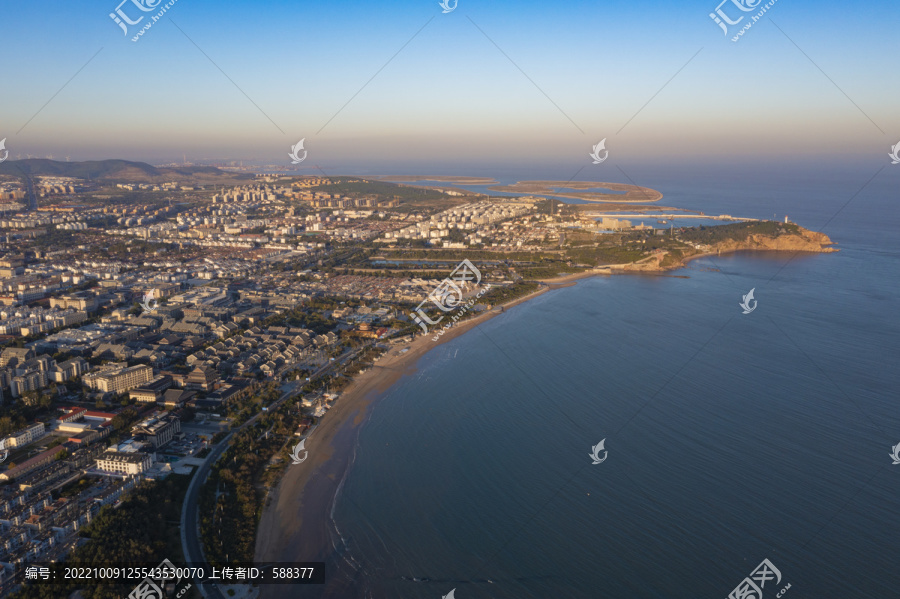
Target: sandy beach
{"x":570,"y":279}
{"x":295,"y":525}
{"x":295,"y":522}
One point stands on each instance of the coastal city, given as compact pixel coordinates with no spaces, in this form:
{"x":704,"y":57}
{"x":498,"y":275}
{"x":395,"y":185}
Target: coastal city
{"x":149,"y":327}
{"x":449,"y":300}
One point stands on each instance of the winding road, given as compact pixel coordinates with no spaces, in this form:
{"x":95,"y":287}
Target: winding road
{"x":191,"y":544}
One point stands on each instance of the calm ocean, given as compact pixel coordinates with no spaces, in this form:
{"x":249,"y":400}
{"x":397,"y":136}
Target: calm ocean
{"x":731,"y":438}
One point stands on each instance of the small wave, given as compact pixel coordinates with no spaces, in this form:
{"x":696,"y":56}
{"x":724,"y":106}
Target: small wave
{"x":344,"y":549}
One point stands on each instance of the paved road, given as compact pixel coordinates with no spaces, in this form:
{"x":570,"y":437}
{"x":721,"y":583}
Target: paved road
{"x":32,"y":196}
{"x":190,"y":534}
{"x":190,"y":517}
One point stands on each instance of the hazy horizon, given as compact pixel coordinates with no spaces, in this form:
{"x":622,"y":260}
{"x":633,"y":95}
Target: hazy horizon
{"x":510,"y":84}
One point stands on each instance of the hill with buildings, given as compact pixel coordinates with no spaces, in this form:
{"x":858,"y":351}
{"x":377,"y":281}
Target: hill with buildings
{"x":115,"y":170}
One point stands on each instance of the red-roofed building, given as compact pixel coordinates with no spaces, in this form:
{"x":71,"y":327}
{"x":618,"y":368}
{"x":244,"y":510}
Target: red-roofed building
{"x":72,"y":414}
{"x":99,"y":415}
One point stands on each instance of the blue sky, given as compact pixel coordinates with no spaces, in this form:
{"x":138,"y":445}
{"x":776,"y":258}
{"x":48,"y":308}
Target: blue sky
{"x":450,"y":96}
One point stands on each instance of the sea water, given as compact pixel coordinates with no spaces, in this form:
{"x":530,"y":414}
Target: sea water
{"x":729,"y":438}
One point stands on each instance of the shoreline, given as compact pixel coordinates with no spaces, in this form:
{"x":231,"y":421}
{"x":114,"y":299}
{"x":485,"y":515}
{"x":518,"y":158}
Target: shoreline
{"x":582,"y":190}
{"x":295,"y":524}
{"x":620,"y":269}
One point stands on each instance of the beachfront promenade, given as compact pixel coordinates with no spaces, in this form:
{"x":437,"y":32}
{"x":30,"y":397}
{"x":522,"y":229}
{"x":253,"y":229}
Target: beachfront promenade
{"x":191,"y":543}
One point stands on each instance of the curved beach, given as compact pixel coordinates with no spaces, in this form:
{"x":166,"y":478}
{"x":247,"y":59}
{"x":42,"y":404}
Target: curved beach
{"x":296,"y":524}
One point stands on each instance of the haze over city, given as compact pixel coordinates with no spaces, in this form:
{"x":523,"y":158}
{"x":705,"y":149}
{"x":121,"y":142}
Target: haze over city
{"x":379,"y":85}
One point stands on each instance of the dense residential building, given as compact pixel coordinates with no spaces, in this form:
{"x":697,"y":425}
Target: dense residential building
{"x":38,"y":461}
{"x":12,"y":356}
{"x":207,"y":310}
{"x":41,"y":478}
{"x":30,"y":381}
{"x":33,"y":320}
{"x":112,"y":493}
{"x":70,"y":369}
{"x":24,"y":376}
{"x":79,"y":301}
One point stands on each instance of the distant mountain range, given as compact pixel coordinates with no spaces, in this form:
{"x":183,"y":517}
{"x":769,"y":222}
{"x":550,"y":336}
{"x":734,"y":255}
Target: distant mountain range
{"x":115,"y":170}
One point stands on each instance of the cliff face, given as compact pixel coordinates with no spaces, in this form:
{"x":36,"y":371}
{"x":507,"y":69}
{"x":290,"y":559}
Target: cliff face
{"x":805,"y":241}
{"x":651,"y":264}
{"x":802,"y":241}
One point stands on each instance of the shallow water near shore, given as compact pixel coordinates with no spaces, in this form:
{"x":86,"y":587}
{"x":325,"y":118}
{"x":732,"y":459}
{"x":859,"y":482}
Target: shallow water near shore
{"x":731,"y":438}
